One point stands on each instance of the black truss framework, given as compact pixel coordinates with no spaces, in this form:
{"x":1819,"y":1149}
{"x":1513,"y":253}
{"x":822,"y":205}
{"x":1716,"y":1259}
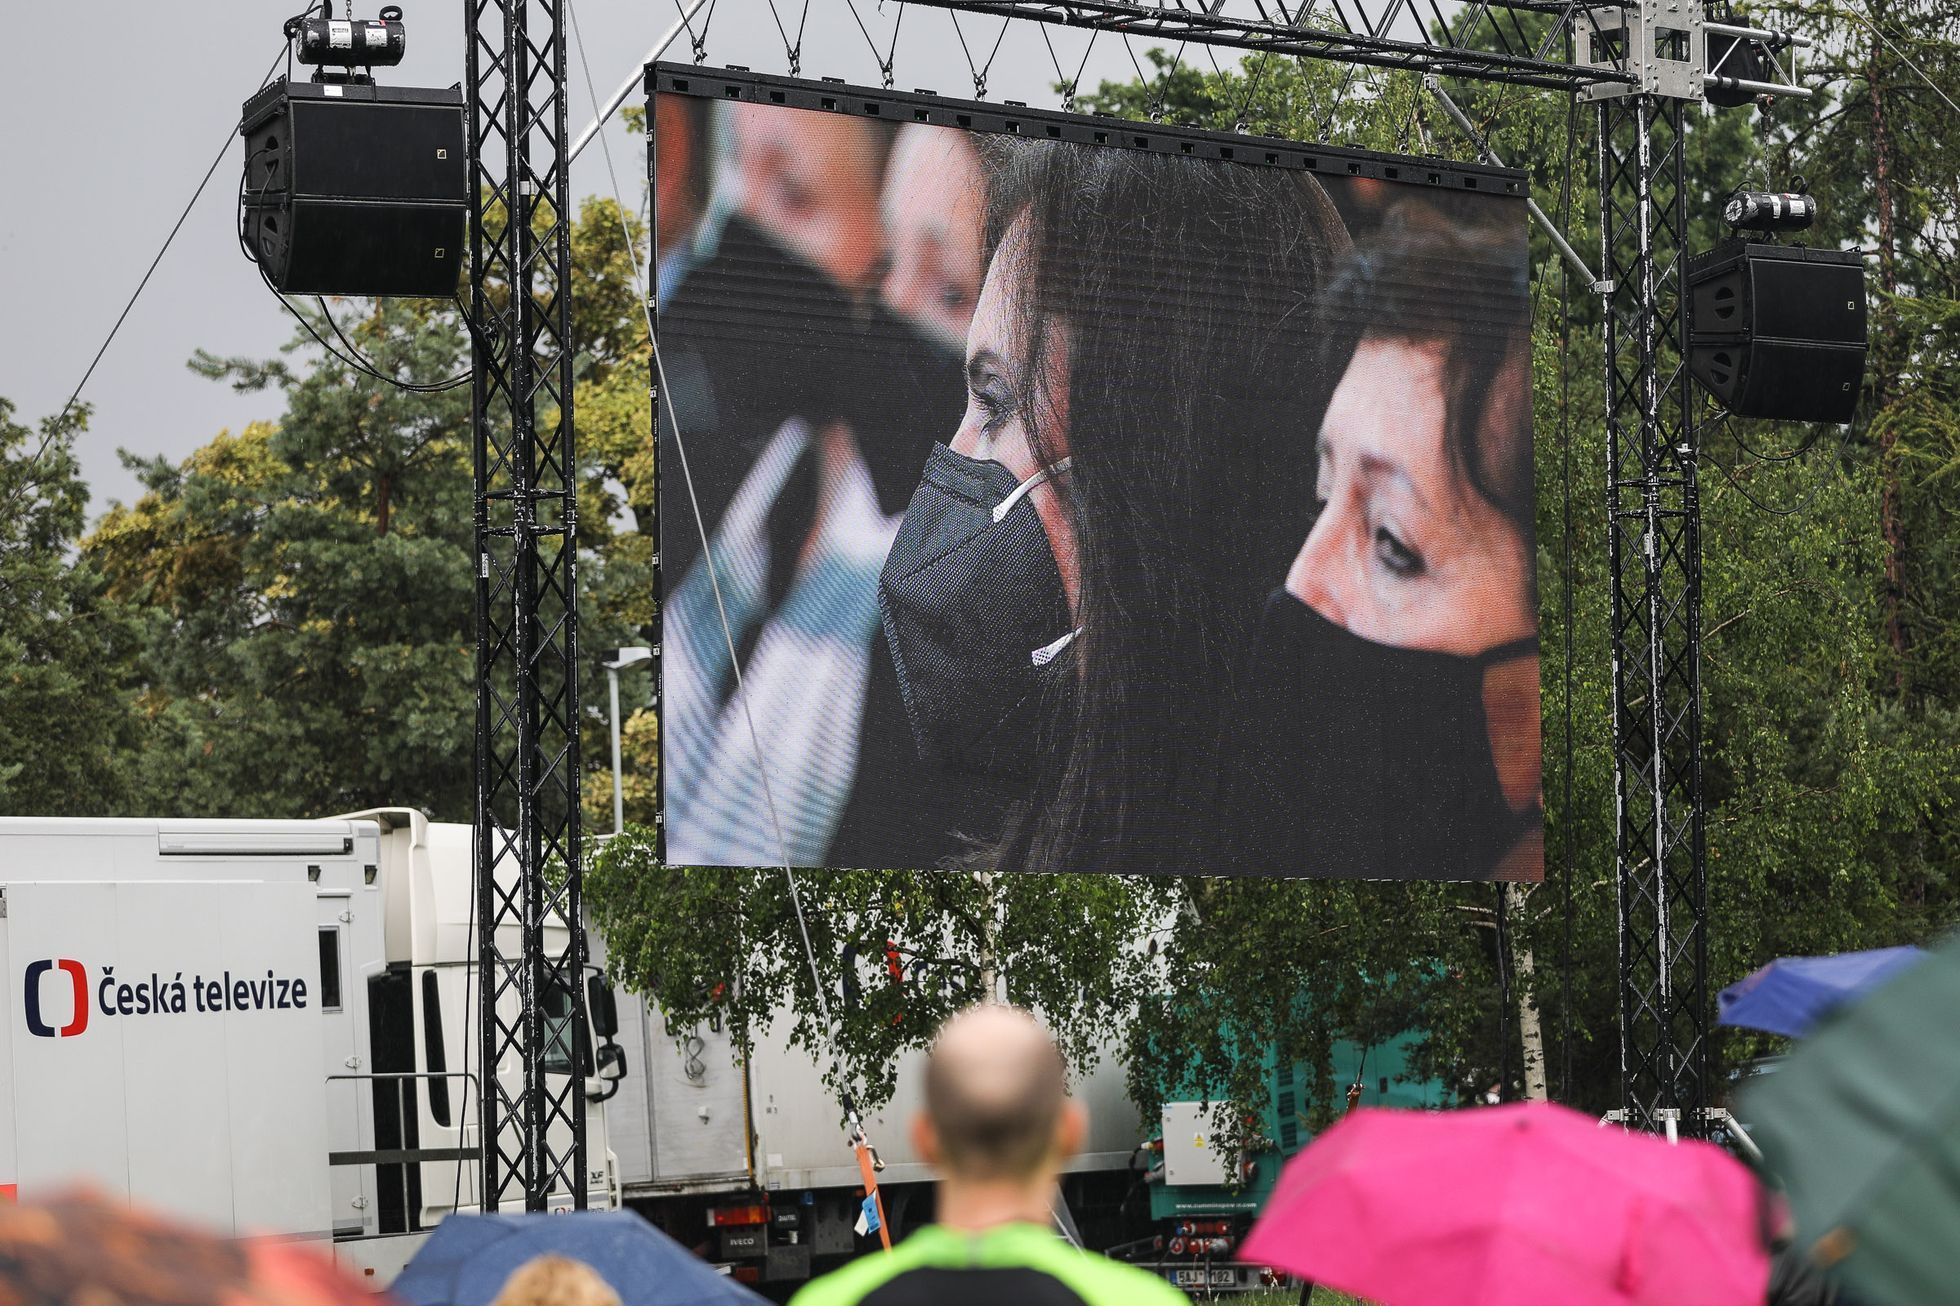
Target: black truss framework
{"x":1483,"y":43}
{"x":1051,"y":124}
{"x":1654,"y":514}
{"x":528,"y":839}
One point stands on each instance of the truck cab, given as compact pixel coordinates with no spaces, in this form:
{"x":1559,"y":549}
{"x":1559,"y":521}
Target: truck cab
{"x":263,"y":1026}
{"x":424,"y":1004}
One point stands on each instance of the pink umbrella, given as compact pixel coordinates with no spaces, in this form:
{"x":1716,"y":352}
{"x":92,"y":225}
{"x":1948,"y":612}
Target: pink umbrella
{"x":1517,"y":1204}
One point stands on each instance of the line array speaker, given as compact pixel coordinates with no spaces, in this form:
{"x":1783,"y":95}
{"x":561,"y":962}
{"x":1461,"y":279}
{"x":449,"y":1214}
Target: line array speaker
{"x":356,"y":190}
{"x":1778,"y":331}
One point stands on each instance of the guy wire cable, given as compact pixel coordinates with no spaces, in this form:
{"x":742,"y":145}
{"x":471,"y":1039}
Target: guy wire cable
{"x":56,"y":425}
{"x":1930,"y":83}
{"x":714,"y":581}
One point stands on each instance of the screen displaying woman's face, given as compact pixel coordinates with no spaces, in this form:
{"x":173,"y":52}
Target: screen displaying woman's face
{"x":994,"y":427}
{"x":1405,"y":552}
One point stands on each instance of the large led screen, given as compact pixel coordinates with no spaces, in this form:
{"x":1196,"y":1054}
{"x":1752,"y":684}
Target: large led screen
{"x":1058,"y":494}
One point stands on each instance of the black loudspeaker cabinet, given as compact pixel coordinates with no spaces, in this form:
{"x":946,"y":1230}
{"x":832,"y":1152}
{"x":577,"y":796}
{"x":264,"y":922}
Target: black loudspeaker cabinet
{"x":356,"y":190}
{"x":1778,"y":331}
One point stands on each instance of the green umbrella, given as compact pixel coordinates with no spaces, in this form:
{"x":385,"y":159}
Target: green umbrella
{"x":1862,"y":1124}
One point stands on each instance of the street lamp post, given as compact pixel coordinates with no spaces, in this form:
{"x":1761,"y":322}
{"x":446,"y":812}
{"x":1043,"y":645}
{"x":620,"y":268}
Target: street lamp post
{"x":616,"y":661}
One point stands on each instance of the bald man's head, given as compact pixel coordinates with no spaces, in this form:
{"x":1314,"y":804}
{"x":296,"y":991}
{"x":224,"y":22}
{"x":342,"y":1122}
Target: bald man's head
{"x":996,"y":1095}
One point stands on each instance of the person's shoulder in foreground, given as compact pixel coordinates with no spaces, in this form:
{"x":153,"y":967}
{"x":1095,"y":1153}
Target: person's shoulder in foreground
{"x":1023,"y":1264}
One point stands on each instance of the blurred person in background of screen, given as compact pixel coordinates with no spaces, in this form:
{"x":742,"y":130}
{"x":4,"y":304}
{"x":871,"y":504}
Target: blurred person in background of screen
{"x":1081,"y":568}
{"x":934,"y":208}
{"x":812,"y":181}
{"x":1398,"y":733}
{"x":766,"y":263}
{"x":804,"y":404}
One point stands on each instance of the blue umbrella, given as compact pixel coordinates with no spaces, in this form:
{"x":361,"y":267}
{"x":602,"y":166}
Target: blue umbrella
{"x":1791,"y":994}
{"x":468,"y":1258}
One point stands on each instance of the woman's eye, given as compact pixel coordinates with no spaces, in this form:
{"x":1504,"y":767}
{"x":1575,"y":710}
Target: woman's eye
{"x":1395,"y":555}
{"x":993,"y":410}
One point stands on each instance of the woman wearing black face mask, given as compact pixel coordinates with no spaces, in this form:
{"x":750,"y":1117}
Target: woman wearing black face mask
{"x":1080,"y":572}
{"x":1395,"y":728}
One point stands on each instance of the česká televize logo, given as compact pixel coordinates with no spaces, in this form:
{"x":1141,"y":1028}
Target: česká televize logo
{"x":78,"y":977}
{"x":154,"y":994}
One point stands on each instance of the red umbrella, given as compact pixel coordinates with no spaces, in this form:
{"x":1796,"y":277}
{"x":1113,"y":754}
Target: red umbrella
{"x":1518,"y":1204}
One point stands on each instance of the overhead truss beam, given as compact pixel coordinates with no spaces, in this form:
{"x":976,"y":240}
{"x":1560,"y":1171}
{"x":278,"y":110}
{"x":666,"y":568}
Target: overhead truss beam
{"x":1477,"y":46}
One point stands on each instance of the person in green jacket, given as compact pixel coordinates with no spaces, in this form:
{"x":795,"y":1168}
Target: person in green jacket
{"x":998,"y":1125}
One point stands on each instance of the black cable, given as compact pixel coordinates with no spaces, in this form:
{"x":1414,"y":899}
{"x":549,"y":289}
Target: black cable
{"x":1565,"y":584}
{"x":1793,"y":510}
{"x":366,"y":370}
{"x":74,"y":395}
{"x":374,"y":369}
{"x":1790,"y":456}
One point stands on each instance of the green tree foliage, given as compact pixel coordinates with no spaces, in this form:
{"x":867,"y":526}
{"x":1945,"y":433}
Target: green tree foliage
{"x":62,"y":728}
{"x":615,"y":424}
{"x":713,"y":943}
{"x":304,"y":589}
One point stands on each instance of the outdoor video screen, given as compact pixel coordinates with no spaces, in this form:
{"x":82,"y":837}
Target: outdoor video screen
{"x":1058,"y":494}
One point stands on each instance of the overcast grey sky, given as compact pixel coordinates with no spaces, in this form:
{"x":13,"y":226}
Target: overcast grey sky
{"x":110,"y":110}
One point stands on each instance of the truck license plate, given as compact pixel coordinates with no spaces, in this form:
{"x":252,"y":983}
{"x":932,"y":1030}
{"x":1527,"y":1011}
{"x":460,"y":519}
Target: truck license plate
{"x":1196,"y":1278}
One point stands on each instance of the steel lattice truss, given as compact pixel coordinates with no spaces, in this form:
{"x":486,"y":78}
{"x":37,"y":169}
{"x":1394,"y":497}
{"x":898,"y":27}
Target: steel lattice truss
{"x":1484,"y":41}
{"x":1655,"y":546}
{"x":528,"y":854}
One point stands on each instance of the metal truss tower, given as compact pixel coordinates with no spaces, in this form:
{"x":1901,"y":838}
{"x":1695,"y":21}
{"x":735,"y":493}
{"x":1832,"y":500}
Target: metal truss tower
{"x":528,"y":839}
{"x":1654,"y":544}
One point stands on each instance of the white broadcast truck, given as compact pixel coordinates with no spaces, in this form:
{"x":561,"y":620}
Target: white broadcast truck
{"x":315,"y":1074}
{"x":263,"y":1026}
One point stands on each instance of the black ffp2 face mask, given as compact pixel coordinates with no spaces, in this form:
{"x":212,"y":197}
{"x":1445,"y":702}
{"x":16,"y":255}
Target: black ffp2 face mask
{"x":976,"y":616}
{"x":1370,"y":760}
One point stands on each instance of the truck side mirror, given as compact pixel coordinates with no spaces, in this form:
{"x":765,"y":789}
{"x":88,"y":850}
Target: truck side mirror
{"x":611,"y":1062}
{"x":601,"y":1007}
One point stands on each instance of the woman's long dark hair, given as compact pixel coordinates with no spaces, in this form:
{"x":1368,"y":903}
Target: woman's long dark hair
{"x":1189,"y":292}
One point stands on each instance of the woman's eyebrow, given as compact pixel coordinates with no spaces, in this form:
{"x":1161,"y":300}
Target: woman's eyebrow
{"x":983,"y":365}
{"x":1376,"y":467}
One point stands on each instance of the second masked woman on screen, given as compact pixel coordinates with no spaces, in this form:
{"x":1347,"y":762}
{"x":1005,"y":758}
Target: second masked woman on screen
{"x":1070,"y":599}
{"x":1393,"y":726}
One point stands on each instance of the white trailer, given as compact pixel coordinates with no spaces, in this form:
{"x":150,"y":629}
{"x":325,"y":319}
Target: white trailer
{"x":264,"y":1026}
